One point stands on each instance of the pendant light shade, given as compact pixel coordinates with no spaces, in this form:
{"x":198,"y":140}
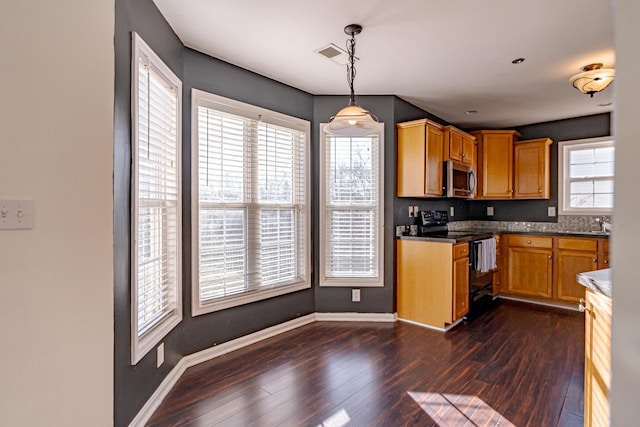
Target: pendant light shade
{"x":593,"y":78}
{"x":352,"y":120}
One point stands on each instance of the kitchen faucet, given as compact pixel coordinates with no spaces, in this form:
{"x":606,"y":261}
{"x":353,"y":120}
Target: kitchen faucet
{"x":605,"y":224}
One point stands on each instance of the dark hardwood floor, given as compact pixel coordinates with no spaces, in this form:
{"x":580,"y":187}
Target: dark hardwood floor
{"x":517,"y":364}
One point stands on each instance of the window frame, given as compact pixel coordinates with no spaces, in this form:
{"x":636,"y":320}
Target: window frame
{"x":353,"y":282}
{"x":226,"y":105}
{"x":564,"y":147}
{"x":142,"y":344}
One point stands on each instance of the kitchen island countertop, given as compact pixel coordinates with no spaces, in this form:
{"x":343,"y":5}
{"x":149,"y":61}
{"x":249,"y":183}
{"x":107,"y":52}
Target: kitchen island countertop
{"x":599,"y":281}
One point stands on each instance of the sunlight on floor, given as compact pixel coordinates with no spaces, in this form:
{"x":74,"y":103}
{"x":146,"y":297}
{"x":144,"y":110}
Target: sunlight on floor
{"x":458,"y":410}
{"x":339,"y":419}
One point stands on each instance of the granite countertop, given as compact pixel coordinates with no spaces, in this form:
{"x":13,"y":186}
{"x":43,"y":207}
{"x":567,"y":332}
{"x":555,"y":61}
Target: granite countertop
{"x":487,"y":231}
{"x":598,"y":281}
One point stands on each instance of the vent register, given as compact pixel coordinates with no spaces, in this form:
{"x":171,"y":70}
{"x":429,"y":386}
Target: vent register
{"x":334,"y":53}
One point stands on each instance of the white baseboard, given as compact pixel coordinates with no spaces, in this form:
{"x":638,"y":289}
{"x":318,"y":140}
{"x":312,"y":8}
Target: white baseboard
{"x":356,"y":317}
{"x":424,"y":325}
{"x":218,"y":350}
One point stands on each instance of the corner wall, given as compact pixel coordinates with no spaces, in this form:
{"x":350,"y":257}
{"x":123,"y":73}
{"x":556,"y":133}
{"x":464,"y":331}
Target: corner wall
{"x":56,"y":147}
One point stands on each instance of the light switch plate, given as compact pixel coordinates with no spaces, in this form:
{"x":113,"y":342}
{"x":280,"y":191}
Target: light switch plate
{"x":410,"y":211}
{"x":355,"y":295}
{"x":16,"y":214}
{"x":489,"y":210}
{"x":452,"y":211}
{"x":551,"y":211}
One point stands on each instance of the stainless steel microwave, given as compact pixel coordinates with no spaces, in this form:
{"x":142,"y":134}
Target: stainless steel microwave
{"x":460,"y":180}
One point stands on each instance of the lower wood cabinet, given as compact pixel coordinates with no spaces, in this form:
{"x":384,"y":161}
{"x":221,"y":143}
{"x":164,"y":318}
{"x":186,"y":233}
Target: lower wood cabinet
{"x":530,"y":266}
{"x":432,"y":282}
{"x":597,"y":359}
{"x":545,"y":267}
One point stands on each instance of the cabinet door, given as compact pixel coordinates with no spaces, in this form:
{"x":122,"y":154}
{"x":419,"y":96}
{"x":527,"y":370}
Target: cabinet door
{"x":530,"y":272}
{"x":455,"y":146}
{"x":597,"y":364}
{"x":570,"y":263}
{"x":411,"y":160}
{"x":469,"y":150}
{"x":497,"y":166}
{"x":460,"y":288}
{"x":531,"y":169}
{"x":434,"y":162}
{"x":603,"y":254}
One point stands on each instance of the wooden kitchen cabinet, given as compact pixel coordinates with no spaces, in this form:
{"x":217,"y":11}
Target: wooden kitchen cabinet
{"x":429,"y":293}
{"x":531,"y":169}
{"x":495,"y":163}
{"x":460,"y":280}
{"x":597,"y":363}
{"x":497,"y":273}
{"x":530,"y":266}
{"x":459,"y":146}
{"x":575,"y":255}
{"x":420,"y":159}
{"x":603,"y":254}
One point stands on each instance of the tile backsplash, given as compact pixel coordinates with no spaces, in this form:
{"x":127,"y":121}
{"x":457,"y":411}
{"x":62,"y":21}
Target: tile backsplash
{"x":565,"y":223}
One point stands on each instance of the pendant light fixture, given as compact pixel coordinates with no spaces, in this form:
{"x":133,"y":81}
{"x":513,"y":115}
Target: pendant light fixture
{"x":352,"y":120}
{"x":593,"y":78}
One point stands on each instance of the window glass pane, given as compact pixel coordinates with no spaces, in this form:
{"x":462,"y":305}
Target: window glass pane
{"x":582,"y":187}
{"x":603,"y":169}
{"x":581,"y":156}
{"x":275,"y":164}
{"x":604,"y":154}
{"x":222,"y":252}
{"x":581,"y":201}
{"x":351,"y":171}
{"x":581,"y":170}
{"x":221,"y":160}
{"x":603,"y":186}
{"x":603,"y":200}
{"x":277,"y":233}
{"x":352,"y":243}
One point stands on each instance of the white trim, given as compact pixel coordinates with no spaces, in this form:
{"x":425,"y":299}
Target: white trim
{"x":231,"y":106}
{"x":218,"y":350}
{"x":140,"y":346}
{"x":435,"y":328}
{"x":356,"y":317}
{"x":563,"y":202}
{"x":568,"y":306}
{"x":352,"y":282}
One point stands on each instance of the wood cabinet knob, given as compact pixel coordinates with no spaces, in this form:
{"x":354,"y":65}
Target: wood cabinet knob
{"x":540,"y":191}
{"x":595,"y":260}
{"x":549,"y":256}
{"x":583,"y":306}
{"x":606,"y":261}
{"x":528,"y":242}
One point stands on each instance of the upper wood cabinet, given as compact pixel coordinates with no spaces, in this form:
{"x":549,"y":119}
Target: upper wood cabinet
{"x":495,"y":163}
{"x":531,"y":169}
{"x":420,"y":159}
{"x":459,"y":146}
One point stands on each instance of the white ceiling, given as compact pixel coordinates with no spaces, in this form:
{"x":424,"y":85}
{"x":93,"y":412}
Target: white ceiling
{"x":446,"y":57}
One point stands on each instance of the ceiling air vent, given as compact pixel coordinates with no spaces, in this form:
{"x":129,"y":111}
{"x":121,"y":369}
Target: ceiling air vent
{"x":334,"y":53}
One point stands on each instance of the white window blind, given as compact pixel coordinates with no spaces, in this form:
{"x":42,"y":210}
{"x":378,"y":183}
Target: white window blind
{"x":252,"y":220}
{"x":351,"y":210}
{"x":156,"y":198}
{"x":587,"y":176}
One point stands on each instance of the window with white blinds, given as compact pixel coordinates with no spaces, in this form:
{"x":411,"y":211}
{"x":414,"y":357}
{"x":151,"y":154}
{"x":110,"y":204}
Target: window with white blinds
{"x":351,"y":208}
{"x":250,"y":215}
{"x":586,"y":176}
{"x":156,"y":200}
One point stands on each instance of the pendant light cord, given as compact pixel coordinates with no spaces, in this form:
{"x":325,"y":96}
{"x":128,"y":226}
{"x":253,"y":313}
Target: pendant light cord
{"x":351,"y":68}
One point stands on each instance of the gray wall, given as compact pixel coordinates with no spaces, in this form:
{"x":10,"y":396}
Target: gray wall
{"x":559,"y":130}
{"x":373,"y":300}
{"x":133,"y":385}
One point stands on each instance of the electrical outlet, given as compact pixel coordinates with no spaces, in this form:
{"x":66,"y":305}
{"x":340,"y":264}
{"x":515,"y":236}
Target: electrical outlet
{"x":355,"y":295}
{"x":160,"y":355}
{"x":551,"y":211}
{"x":410,"y":211}
{"x":452,"y":211}
{"x":489,"y":210}
{"x":416,"y":209}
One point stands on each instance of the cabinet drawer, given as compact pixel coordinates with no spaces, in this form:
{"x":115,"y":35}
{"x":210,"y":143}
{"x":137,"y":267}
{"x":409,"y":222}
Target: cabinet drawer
{"x":531,"y":241}
{"x":460,"y":250}
{"x":578,"y":244}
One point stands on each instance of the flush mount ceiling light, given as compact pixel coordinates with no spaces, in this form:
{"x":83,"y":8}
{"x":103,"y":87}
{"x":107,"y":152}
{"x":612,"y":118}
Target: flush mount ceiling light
{"x":352,"y":120}
{"x":593,"y":78}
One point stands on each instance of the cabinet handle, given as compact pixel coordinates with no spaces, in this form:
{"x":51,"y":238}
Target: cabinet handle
{"x":464,"y":251}
{"x":539,"y":191}
{"x":606,"y":261}
{"x":549,"y":256}
{"x":595,"y":260}
{"x":528,"y":242}
{"x":583,"y":306}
